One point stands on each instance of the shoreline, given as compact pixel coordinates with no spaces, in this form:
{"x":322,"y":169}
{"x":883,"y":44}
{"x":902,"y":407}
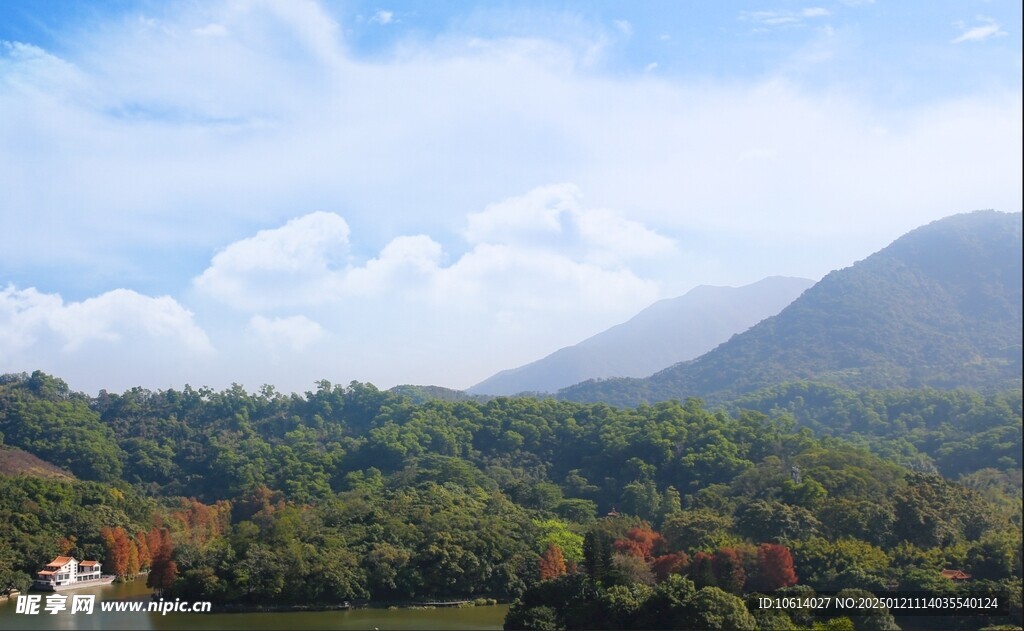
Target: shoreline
{"x":385,"y":605}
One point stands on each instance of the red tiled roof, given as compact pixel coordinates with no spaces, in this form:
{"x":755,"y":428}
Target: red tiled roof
{"x":59,"y":561}
{"x":45,"y":573}
{"x":89,"y":563}
{"x":956,"y":575}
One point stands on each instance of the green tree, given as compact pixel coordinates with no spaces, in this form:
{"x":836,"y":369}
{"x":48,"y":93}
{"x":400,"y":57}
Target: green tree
{"x":696,"y":530}
{"x":711,"y":608}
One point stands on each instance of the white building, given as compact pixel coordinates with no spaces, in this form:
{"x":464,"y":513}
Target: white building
{"x":65,"y":572}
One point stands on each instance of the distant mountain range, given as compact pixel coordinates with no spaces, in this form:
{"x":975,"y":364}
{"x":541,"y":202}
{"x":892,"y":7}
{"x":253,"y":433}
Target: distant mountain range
{"x":939,"y":307}
{"x":667,"y":332}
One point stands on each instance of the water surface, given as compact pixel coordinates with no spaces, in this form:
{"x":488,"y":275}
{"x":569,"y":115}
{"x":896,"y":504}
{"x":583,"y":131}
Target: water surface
{"x":453,"y":619}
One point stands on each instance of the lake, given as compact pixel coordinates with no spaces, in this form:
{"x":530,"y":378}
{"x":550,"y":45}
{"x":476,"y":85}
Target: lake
{"x":445,"y":618}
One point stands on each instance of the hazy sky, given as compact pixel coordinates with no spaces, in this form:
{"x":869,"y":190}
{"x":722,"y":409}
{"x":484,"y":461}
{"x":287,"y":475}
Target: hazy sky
{"x":424,"y":192}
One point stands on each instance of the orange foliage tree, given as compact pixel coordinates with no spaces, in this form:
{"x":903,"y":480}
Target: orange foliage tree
{"x":144,"y":557}
{"x":163,"y":569}
{"x":198,"y":524}
{"x":118,"y":547}
{"x":640,"y":542}
{"x":551,"y":563}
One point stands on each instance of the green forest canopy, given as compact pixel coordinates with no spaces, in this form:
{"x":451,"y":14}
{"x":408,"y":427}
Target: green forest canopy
{"x":349,"y":492}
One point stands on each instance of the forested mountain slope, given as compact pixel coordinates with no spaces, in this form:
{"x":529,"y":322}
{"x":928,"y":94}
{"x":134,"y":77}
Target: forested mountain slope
{"x":939,"y":307}
{"x":667,"y":332}
{"x":349,"y":492}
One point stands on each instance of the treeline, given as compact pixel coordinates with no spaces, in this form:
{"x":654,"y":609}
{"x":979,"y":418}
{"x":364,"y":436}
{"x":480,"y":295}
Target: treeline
{"x":955,"y":432}
{"x":633,"y":577}
{"x":349,"y":492}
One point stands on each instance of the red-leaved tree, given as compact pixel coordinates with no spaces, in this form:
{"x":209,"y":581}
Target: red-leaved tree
{"x":774,"y":568}
{"x":701,"y":570}
{"x":728,"y":568}
{"x":669,"y":564}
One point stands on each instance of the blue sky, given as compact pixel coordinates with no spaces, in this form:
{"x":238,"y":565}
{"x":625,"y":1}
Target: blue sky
{"x":285,"y":191}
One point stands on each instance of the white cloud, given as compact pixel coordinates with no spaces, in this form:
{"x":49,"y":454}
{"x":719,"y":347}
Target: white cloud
{"x":167,"y":146}
{"x":624,"y":27}
{"x":382,"y":16}
{"x":538,"y":214}
{"x":211,"y":30}
{"x":293,"y":264}
{"x":613,"y":239}
{"x":554,"y":216}
{"x":121,"y":314}
{"x":534,"y":263}
{"x":249,"y":128}
{"x":30,"y":70}
{"x":23,"y":314}
{"x":989,"y":28}
{"x":115,"y":319}
{"x":524,"y":287}
{"x":783,"y":17}
{"x":302,"y":262}
{"x":296,"y":333}
{"x":406,"y":262}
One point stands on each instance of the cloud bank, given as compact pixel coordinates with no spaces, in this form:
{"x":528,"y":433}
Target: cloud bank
{"x":452,"y":206}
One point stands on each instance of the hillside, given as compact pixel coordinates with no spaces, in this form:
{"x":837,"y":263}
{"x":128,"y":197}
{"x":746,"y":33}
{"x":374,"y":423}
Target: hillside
{"x":939,"y":307}
{"x":354,"y":493}
{"x":14,"y":461}
{"x":423,"y":394}
{"x":667,"y":332}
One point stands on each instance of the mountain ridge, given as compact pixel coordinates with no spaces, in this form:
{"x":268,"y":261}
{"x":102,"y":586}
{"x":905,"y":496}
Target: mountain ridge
{"x":666,"y":332}
{"x":938,"y":307}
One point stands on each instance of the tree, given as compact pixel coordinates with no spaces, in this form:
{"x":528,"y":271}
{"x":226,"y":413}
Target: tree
{"x":640,"y":542}
{"x":834,"y":565}
{"x":597,"y":554}
{"x":641,"y":499}
{"x":629,"y":570}
{"x":671,"y":503}
{"x":711,"y":609}
{"x":118,"y":550}
{"x":133,"y":568}
{"x":774,"y":521}
{"x":728,"y":568}
{"x":199,"y":584}
{"x":145,"y":559}
{"x":10,"y":578}
{"x":540,"y":618}
{"x":774,"y":568}
{"x":262,"y":573}
{"x":702,"y":571}
{"x":996,"y":556}
{"x":163,"y":570}
{"x":552,"y":563}
{"x":869,"y":619}
{"x":667,"y":605}
{"x":557,"y":532}
{"x":700,"y":529}
{"x":668,"y":564}
{"x":617,"y":607}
